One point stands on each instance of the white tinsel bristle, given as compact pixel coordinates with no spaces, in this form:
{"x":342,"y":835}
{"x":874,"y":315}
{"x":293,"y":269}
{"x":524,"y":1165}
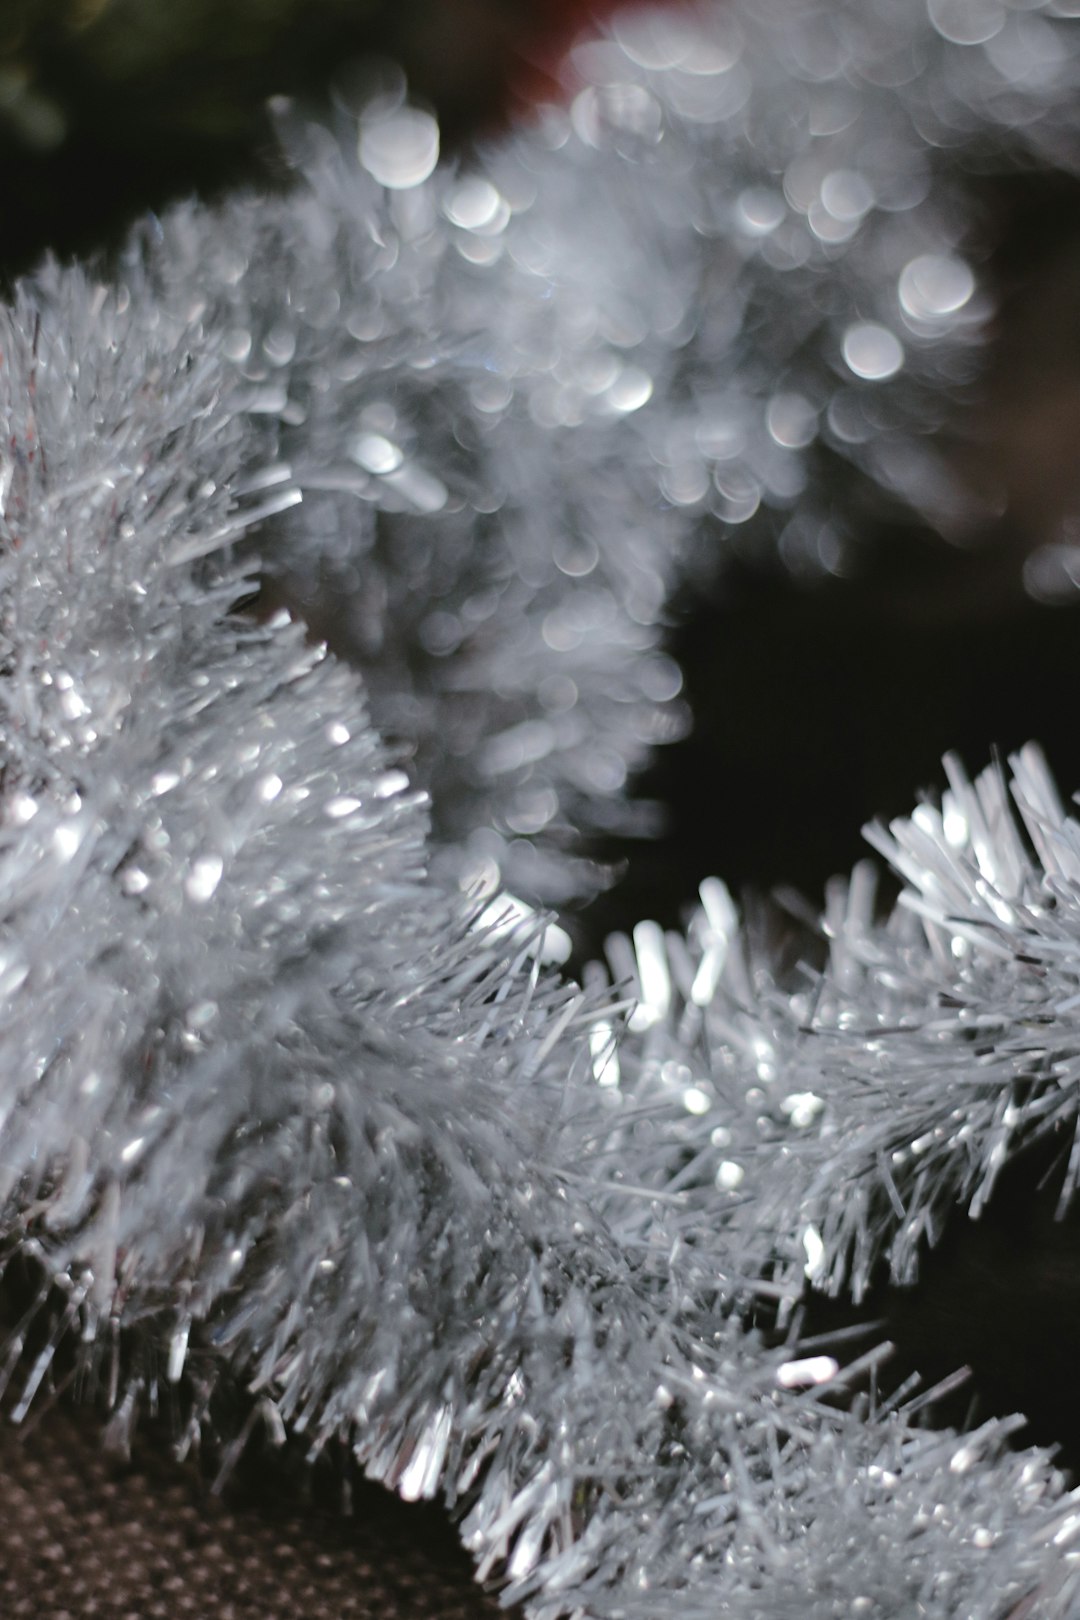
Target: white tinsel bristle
{"x":285,"y":1117}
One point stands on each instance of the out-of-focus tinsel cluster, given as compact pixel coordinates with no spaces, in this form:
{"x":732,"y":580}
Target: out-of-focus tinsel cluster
{"x":720,"y":301}
{"x":283,"y":1112}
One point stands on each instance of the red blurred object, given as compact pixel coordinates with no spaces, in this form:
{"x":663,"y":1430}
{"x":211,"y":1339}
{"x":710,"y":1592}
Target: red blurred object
{"x":487,"y":63}
{"x":537,"y":69}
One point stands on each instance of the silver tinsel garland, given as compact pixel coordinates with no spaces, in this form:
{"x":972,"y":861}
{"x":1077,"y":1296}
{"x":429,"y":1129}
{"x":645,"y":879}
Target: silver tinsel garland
{"x":706,"y":308}
{"x":285,"y":1113}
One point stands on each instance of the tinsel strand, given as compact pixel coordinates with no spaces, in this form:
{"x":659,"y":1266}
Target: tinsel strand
{"x":287,"y":1113}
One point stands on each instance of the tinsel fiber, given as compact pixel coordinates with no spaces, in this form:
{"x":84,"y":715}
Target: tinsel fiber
{"x":292,"y":1104}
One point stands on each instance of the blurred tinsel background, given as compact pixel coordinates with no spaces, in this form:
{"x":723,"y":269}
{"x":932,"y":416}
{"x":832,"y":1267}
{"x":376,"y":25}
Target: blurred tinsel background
{"x":112,"y":107}
{"x":817,"y":703}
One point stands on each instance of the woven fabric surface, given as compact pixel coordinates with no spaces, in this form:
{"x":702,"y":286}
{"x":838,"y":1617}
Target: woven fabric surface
{"x":86,"y":1534}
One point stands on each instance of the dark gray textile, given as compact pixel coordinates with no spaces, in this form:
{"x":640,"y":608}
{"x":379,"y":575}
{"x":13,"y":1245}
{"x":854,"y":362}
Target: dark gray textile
{"x":86,"y":1534}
